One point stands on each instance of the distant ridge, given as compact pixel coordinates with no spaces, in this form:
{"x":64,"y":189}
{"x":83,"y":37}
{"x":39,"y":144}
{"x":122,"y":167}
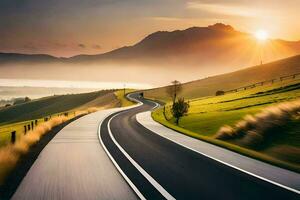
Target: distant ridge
{"x":192,"y":46}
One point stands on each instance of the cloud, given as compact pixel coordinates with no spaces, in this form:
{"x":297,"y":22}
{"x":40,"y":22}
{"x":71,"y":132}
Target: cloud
{"x":225,"y":9}
{"x":81,"y":45}
{"x":30,"y":46}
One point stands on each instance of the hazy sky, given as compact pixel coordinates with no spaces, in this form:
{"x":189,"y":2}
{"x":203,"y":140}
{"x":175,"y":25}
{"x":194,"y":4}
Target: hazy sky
{"x":69,"y":27}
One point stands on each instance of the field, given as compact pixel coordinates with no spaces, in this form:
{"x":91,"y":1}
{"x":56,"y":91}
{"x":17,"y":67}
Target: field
{"x":14,"y":118}
{"x":208,"y":86}
{"x":208,"y":114}
{"x":47,"y":106}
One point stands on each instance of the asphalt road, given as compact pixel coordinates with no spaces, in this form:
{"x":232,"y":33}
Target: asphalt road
{"x":75,"y":166}
{"x":157,"y":168}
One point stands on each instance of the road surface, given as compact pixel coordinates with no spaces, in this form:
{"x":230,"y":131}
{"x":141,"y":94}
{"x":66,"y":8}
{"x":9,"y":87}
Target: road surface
{"x":74,"y":166}
{"x":110,"y":155}
{"x":161,"y":169}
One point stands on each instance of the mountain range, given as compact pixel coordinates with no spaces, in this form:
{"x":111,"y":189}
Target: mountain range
{"x":206,"y":51}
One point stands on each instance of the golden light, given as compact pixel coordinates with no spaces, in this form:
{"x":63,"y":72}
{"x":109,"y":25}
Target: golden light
{"x":261,"y":35}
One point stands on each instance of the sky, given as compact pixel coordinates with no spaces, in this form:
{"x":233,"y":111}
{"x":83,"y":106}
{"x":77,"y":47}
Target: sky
{"x":65,"y":28}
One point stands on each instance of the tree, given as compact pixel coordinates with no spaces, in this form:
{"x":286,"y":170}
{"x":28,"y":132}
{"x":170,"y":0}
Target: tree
{"x":174,"y":89}
{"x":27,"y":99}
{"x":179,"y":109}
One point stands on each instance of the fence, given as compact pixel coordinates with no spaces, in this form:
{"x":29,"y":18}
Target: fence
{"x":282,"y":78}
{"x":12,"y":132}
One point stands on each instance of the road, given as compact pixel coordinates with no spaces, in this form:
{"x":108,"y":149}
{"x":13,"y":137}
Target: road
{"x":74,"y":166}
{"x":110,"y":155}
{"x":157,"y":168}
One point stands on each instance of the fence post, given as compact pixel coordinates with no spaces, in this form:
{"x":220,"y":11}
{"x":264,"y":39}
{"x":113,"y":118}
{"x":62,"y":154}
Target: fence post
{"x":32,"y":125}
{"x":36,"y":122}
{"x":28,"y":127}
{"x":25,"y":129}
{"x":13,"y":137}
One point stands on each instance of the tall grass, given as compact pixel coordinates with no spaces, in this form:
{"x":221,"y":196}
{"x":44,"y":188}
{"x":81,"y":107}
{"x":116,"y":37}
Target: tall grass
{"x":10,"y":153}
{"x":254,"y":130}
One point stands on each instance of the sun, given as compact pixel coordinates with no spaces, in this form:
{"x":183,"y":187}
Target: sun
{"x":261,"y":35}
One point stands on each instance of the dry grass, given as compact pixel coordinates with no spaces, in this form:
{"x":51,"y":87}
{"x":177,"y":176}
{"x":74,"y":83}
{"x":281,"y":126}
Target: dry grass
{"x":254,"y":130}
{"x":10,"y":154}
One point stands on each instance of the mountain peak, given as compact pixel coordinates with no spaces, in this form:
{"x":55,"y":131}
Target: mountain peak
{"x":221,"y":26}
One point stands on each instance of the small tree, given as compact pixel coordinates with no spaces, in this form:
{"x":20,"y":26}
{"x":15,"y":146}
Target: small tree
{"x":179,"y":109}
{"x":27,"y":99}
{"x":174,"y":89}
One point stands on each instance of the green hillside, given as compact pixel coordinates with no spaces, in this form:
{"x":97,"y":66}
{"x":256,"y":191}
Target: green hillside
{"x":50,"y":105}
{"x":208,"y":114}
{"x":209,"y":86}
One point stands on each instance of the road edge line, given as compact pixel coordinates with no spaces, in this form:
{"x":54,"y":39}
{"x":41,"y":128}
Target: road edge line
{"x":130,"y":183}
{"x":223,"y":162}
{"x":152,"y":181}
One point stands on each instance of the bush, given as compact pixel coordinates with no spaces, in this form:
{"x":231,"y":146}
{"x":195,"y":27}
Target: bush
{"x":220,"y":92}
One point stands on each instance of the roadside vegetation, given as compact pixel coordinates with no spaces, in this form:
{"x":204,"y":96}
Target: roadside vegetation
{"x":24,"y":124}
{"x":121,"y":96}
{"x":10,"y":153}
{"x":254,"y":122}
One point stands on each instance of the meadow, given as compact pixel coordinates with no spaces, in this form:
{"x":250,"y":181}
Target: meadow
{"x":207,"y":115}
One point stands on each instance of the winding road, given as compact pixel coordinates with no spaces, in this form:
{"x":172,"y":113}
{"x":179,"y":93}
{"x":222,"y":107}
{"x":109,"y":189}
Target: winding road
{"x":110,"y":155}
{"x":157,"y":168}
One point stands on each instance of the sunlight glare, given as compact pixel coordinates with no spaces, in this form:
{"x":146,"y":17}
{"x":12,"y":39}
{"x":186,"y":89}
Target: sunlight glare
{"x":261,"y":35}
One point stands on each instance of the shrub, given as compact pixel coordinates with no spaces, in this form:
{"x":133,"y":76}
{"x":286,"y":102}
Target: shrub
{"x":179,"y":109}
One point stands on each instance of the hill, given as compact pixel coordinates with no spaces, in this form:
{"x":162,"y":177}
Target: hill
{"x":261,"y":122}
{"x":55,"y":104}
{"x":208,"y":86}
{"x":27,"y":58}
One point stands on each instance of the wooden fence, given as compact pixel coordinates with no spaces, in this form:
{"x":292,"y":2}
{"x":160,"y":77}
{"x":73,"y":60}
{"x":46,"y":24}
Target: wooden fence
{"x":12,"y":132}
{"x":282,"y":78}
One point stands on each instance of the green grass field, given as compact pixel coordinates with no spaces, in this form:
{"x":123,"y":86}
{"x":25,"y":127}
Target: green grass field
{"x":208,"y":114}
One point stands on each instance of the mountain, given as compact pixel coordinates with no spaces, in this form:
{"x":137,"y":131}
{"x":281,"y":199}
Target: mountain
{"x":35,"y":58}
{"x":189,"y":54}
{"x":209,"y":86}
{"x":215,"y":45}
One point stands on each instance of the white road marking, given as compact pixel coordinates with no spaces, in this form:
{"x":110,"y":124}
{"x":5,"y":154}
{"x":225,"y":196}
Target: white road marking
{"x":137,"y":166}
{"x":131,"y":184}
{"x":227,"y":164}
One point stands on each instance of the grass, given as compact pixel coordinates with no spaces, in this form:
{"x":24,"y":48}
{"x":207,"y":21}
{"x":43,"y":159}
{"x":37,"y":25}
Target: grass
{"x":46,"y":106}
{"x":14,"y":118}
{"x":209,"y":86}
{"x":208,"y":114}
{"x":10,"y":154}
{"x":123,"y":100}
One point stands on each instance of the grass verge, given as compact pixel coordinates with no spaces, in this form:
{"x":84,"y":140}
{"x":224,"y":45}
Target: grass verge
{"x":158,"y":117}
{"x":124,"y":102}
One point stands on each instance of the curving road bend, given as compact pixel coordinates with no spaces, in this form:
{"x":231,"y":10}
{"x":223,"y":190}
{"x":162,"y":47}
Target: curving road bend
{"x":157,"y":168}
